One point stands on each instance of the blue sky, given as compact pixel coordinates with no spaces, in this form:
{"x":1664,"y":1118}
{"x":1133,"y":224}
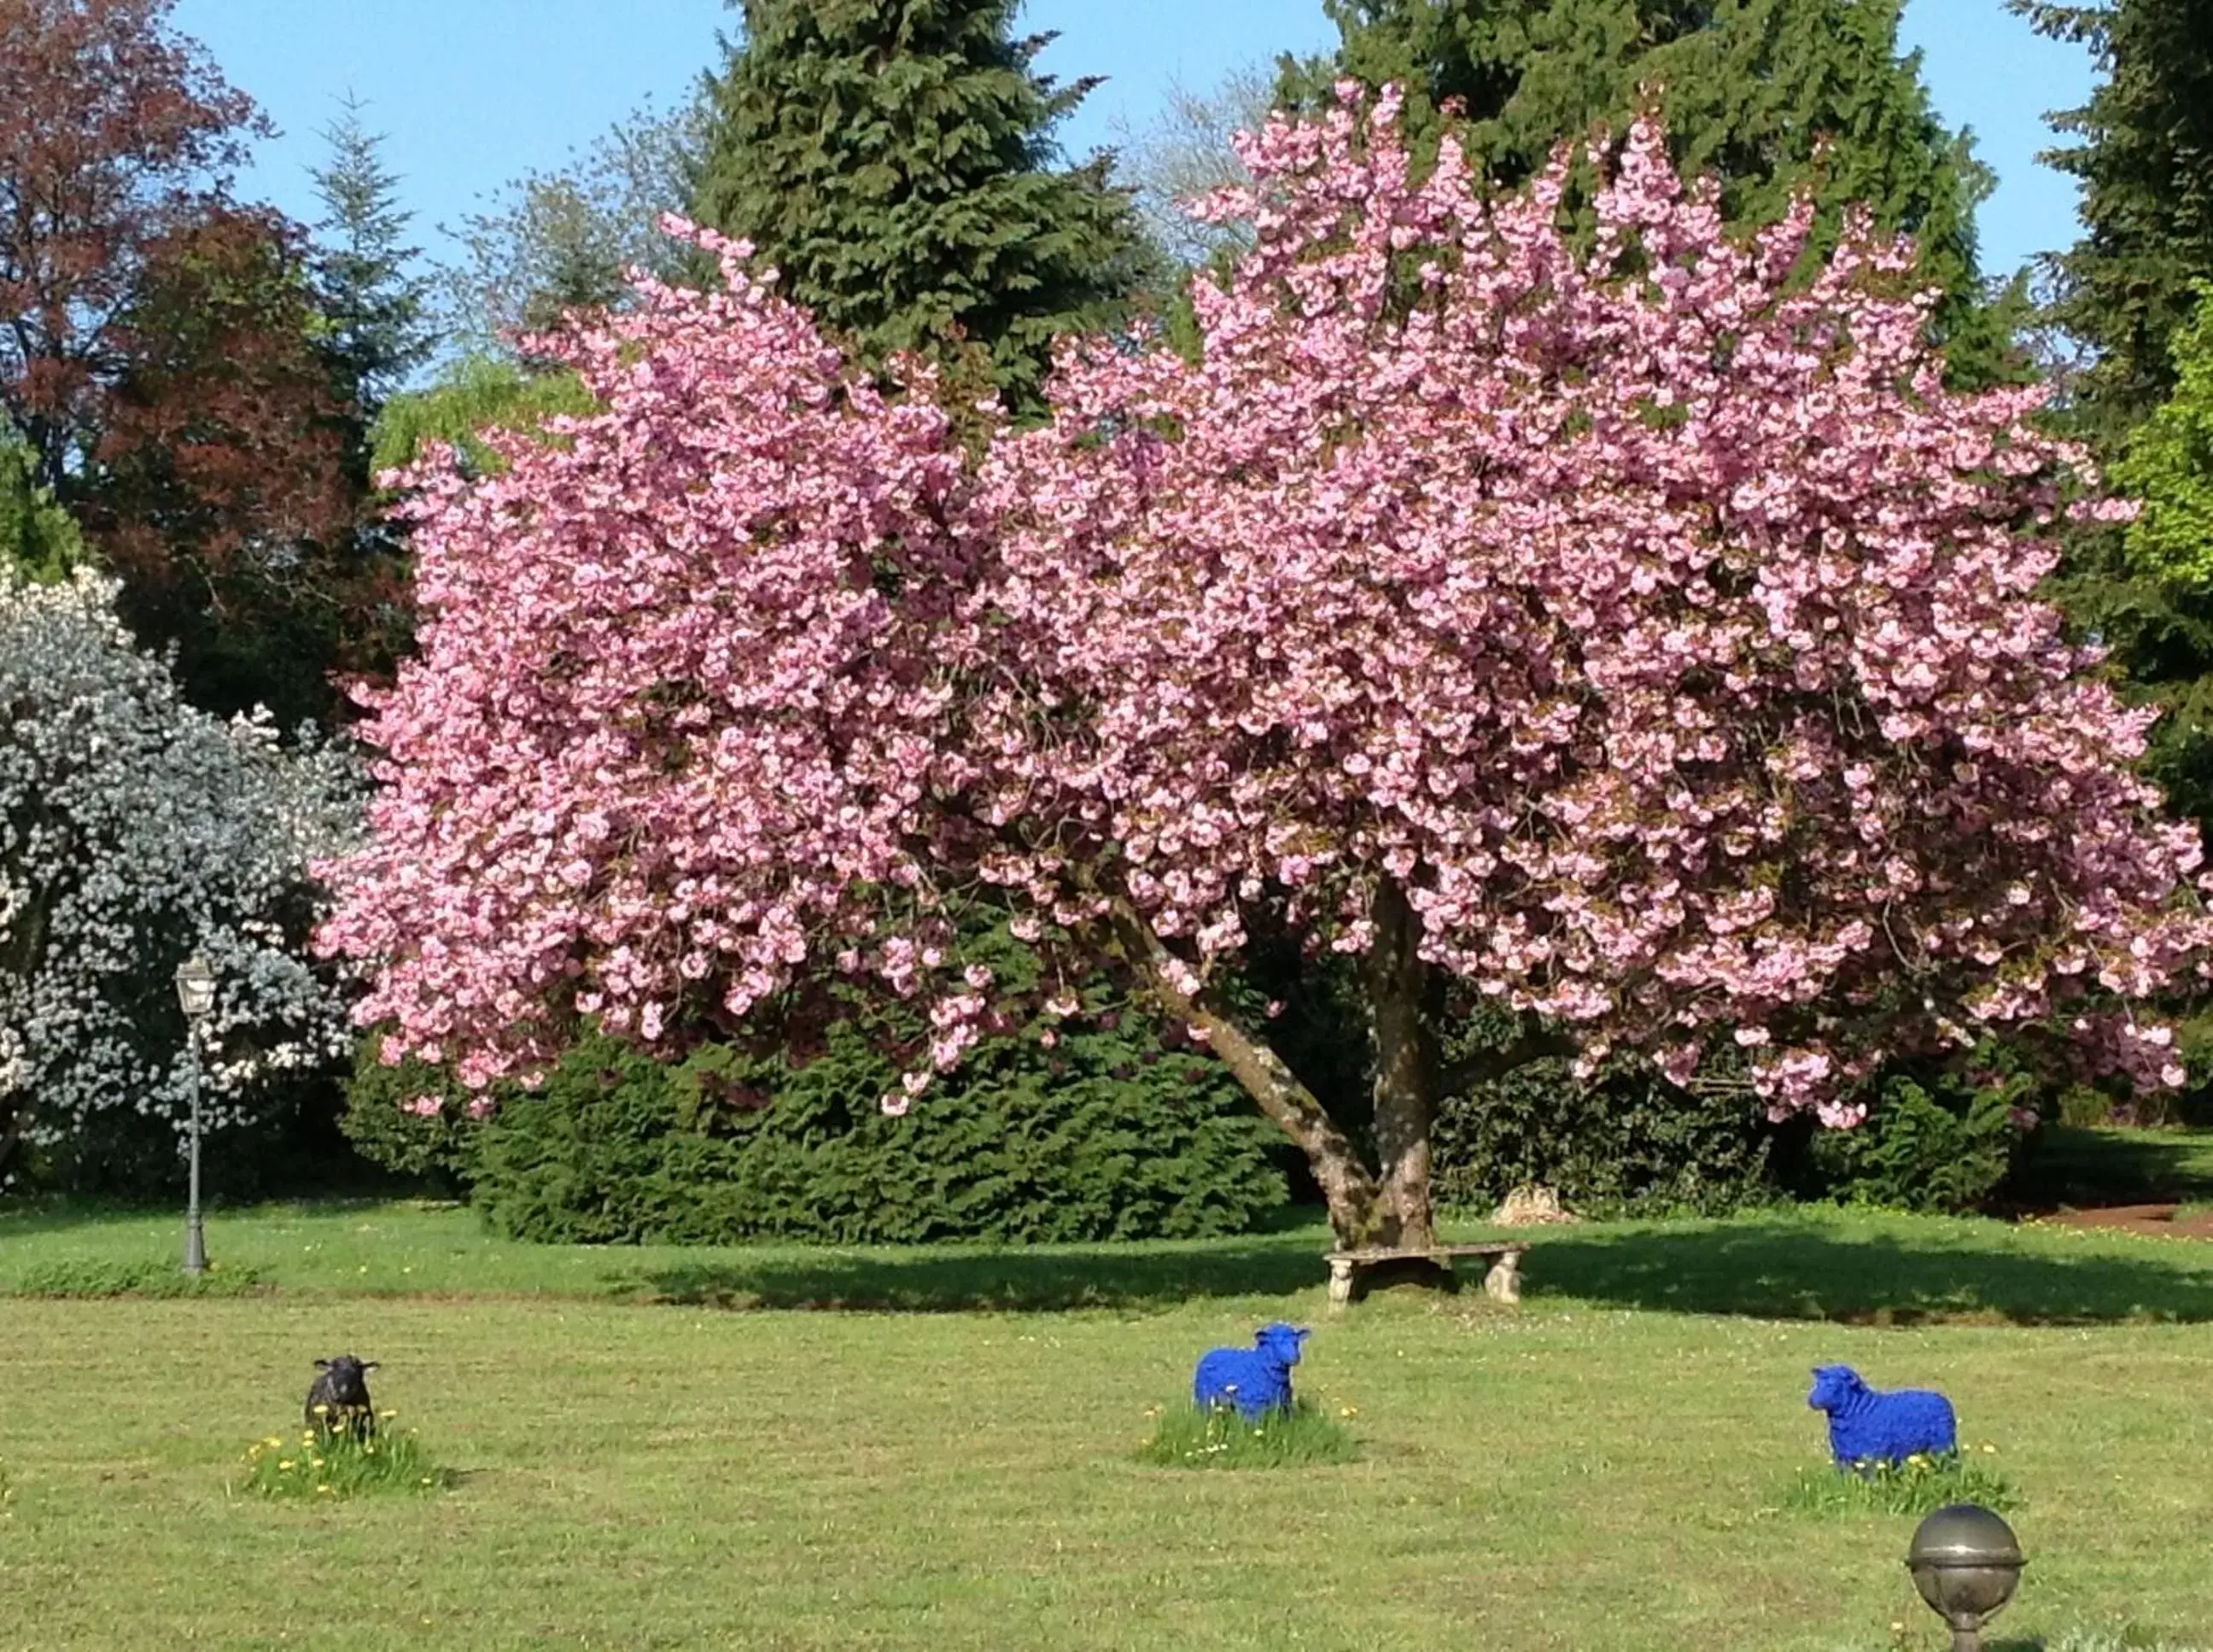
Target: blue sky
{"x":472,"y":93}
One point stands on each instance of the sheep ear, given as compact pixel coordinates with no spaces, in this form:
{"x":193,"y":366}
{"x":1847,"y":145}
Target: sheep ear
{"x":370,"y":1366}
{"x":323,"y":1365}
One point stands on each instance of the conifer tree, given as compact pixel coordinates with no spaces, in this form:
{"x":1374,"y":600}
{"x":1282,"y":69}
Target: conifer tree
{"x":377,"y":312}
{"x":1768,"y":94}
{"x":2124,"y":295}
{"x":895,"y":159}
{"x":2145,"y":165}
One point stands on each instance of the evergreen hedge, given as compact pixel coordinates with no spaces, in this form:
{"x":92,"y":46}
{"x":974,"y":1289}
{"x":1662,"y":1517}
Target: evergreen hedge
{"x":1105,"y":1135}
{"x":1628,"y":1142}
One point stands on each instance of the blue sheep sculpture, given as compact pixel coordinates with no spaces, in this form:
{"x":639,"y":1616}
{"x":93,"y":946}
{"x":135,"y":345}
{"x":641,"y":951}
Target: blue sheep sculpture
{"x":1255,"y":1379}
{"x":1866,"y":1426}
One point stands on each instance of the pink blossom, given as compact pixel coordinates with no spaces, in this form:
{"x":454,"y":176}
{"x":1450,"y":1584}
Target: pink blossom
{"x":1667,"y":727}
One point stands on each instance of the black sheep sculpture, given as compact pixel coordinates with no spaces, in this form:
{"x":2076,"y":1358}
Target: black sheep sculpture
{"x":339,"y":1402}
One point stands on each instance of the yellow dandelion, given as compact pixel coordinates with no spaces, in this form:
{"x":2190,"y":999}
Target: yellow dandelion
{"x":1347,"y":1410}
{"x":387,"y":1416}
{"x":322,"y":1410}
{"x":273,"y":1442}
{"x":1990,"y":1450}
{"x":284,"y":1466}
{"x":315,"y":1462}
{"x":426,"y":1479}
{"x":326,"y":1490}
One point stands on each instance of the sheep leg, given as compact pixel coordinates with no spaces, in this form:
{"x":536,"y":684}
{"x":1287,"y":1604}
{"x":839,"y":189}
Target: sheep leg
{"x":1503,"y":1282}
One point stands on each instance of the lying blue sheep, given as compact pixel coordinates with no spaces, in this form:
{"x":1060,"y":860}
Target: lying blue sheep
{"x":1255,"y":1379}
{"x":1866,"y":1425}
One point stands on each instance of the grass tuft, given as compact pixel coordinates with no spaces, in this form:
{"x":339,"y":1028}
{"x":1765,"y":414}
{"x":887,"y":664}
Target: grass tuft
{"x":2124,"y":1640}
{"x":312,"y":1468}
{"x":1301,"y":1437}
{"x":1919,"y":1486}
{"x":82,"y":1278}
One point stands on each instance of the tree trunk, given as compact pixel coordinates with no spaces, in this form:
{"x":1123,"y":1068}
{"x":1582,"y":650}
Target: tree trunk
{"x":1359,"y":1212}
{"x":1399,"y":990}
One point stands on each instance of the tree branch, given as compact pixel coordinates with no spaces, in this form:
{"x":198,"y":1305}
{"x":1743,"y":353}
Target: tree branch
{"x":1354,"y":1195}
{"x":1531,"y":1043}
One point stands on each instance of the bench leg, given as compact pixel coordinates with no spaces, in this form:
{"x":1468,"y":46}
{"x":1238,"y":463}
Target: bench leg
{"x":1503,"y":1282}
{"x":1341,"y":1286}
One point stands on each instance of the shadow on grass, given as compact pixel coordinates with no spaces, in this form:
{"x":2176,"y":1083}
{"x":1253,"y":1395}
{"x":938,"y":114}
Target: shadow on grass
{"x":2086,"y":1167}
{"x":1016,"y":1281}
{"x":1783,"y":1269}
{"x":1788,"y":1270}
{"x":55,"y":1213}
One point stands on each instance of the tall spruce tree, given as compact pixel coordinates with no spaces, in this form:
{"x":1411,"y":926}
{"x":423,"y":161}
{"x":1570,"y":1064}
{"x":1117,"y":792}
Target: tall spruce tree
{"x":2124,"y":294}
{"x":1770,"y":94}
{"x":895,"y":159}
{"x":2145,"y":164}
{"x":378,"y":313}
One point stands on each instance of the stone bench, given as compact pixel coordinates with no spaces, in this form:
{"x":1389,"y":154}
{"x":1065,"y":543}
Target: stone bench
{"x":1502,"y":1282}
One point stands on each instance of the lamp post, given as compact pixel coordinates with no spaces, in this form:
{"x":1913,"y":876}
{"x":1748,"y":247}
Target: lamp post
{"x":196,"y":996}
{"x":1966,"y":1562}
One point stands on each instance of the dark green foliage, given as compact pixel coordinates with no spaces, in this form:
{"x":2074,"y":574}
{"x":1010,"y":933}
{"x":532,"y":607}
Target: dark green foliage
{"x":1105,"y":1134}
{"x":1105,"y":1137}
{"x":377,"y":313}
{"x":1932,"y":1140}
{"x":2148,"y":591}
{"x":2146,"y":167}
{"x":2126,"y":292}
{"x":1750,"y":89}
{"x":1629,"y":1142}
{"x":2159,"y":634}
{"x":895,"y":159}
{"x":1319,"y":1029}
{"x":292,"y":1146}
{"x":439,"y":1148}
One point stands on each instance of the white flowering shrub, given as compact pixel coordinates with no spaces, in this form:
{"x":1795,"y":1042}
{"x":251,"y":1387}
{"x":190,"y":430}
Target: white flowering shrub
{"x":135,"y":828}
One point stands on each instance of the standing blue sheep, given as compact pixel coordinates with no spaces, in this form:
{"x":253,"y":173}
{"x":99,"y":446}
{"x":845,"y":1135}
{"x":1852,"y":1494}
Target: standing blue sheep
{"x":1255,"y":1379}
{"x":1888,"y":1428}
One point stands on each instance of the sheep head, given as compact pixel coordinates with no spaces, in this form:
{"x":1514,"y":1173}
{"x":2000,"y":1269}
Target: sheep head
{"x":1834,"y":1385}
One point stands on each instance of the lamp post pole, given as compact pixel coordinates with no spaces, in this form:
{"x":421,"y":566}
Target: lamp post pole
{"x":195,"y":1236}
{"x":196,"y":995}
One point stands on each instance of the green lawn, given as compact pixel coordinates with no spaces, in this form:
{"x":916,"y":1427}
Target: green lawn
{"x":936,"y":1448}
{"x":2109,"y":1165}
